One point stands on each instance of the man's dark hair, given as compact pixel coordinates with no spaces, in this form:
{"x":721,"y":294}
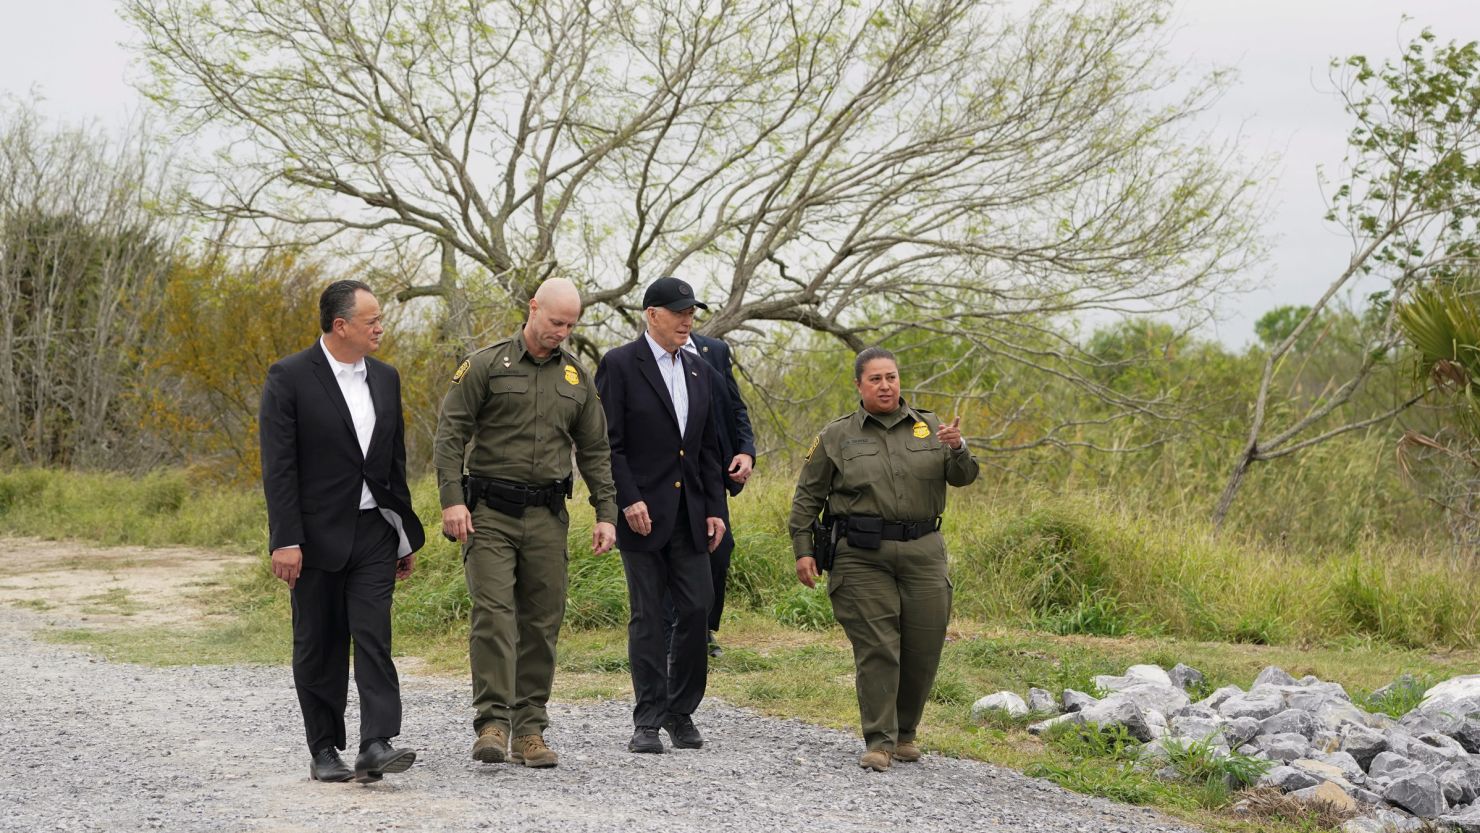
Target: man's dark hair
{"x":867,"y":355}
{"x":338,"y":301}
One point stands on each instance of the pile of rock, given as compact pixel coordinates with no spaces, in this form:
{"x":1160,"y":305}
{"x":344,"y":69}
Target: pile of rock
{"x":1398,"y":773}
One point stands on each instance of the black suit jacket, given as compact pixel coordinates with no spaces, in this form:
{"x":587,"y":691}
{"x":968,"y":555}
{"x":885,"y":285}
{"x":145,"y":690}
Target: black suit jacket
{"x":311,"y":461}
{"x":731,"y":417}
{"x":650,"y":461}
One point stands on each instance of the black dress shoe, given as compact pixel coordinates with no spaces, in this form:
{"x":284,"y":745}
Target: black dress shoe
{"x":682,"y":731}
{"x":326,"y":766}
{"x":378,"y":758}
{"x":645,"y":739}
{"x":714,"y":649}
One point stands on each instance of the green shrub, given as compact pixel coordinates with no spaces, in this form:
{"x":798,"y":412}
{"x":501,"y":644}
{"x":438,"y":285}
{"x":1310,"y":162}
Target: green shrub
{"x":1401,"y":697}
{"x":597,"y":595}
{"x":801,"y":607}
{"x":1096,"y":614}
{"x":1199,"y":762}
{"x":1080,"y":741}
{"x":950,"y":689}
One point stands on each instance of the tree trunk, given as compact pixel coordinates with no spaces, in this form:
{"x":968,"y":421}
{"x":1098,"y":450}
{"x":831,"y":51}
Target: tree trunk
{"x":1245,"y":460}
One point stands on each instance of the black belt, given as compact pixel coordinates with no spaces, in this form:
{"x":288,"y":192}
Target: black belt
{"x":866,"y":531}
{"x":518,"y":493}
{"x":909,"y":530}
{"x":371,"y":509}
{"x":511,"y":498}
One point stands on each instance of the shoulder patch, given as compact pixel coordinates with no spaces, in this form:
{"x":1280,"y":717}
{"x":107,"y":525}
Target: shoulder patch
{"x":462,"y":370}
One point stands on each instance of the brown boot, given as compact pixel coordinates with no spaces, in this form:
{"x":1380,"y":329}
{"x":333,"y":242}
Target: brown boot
{"x":907,"y":751}
{"x":531,"y":750}
{"x":490,"y":745}
{"x":875,"y":759}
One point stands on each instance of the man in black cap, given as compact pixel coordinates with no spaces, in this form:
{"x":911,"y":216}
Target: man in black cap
{"x":666,"y":464}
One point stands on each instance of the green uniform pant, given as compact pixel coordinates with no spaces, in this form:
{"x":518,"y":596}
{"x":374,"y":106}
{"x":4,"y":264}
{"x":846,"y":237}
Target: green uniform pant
{"x":894,"y":604}
{"x":516,"y":572}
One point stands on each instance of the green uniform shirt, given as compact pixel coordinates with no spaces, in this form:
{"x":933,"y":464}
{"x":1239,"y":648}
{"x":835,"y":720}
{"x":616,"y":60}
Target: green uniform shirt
{"x":888,"y":465}
{"x":516,"y":418}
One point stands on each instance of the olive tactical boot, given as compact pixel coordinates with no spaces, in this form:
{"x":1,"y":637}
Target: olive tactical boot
{"x":531,"y":751}
{"x":875,"y":759}
{"x":491,"y":745}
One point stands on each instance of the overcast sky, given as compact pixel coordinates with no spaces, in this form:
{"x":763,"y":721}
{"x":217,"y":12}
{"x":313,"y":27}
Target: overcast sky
{"x":1281,"y":103}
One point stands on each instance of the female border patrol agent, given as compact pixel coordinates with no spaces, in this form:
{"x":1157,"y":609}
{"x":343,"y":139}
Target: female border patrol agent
{"x":881,"y":473}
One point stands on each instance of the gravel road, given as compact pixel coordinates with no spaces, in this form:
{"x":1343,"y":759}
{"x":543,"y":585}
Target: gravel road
{"x":95,"y":745}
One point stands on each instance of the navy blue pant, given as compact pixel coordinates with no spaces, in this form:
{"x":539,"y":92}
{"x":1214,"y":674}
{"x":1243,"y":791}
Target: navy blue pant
{"x":668,"y":680}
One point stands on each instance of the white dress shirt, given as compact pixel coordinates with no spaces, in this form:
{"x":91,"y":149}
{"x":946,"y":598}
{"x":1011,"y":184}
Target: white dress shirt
{"x":671,"y":368}
{"x":354,"y":384}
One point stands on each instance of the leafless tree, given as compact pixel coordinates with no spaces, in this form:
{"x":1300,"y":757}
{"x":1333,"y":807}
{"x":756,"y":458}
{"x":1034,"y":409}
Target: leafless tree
{"x":857,"y":169}
{"x":82,"y":262}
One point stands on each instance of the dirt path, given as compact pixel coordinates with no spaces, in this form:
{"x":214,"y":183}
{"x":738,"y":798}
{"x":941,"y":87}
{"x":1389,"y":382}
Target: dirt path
{"x":111,"y":586}
{"x":91,"y":745}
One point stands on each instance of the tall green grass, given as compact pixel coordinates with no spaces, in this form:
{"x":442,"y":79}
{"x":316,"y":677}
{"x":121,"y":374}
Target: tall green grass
{"x":1084,"y":564}
{"x":167,"y":507}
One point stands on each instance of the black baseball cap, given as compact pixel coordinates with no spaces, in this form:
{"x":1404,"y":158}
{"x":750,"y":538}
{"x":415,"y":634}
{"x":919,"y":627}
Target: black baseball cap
{"x":671,"y":294}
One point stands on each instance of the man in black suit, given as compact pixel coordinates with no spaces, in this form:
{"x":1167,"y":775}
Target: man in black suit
{"x":737,"y":455}
{"x":340,"y":525}
{"x":665,"y":452}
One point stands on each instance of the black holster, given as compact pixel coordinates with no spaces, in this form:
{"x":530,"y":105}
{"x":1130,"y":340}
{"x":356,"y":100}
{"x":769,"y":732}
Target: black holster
{"x":824,"y":542}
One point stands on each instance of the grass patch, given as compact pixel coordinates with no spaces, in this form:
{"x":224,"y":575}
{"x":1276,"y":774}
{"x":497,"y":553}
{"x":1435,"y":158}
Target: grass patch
{"x":1199,"y":761}
{"x":1401,"y":696}
{"x":235,"y":643}
{"x":1066,"y":565}
{"x":115,"y":601}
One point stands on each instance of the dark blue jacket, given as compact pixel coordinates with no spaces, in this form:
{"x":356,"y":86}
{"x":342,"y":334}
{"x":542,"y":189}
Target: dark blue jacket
{"x":650,"y":461}
{"x":728,"y":410}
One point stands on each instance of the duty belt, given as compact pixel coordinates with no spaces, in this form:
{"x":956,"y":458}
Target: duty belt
{"x":511,"y":498}
{"x":866,"y":531}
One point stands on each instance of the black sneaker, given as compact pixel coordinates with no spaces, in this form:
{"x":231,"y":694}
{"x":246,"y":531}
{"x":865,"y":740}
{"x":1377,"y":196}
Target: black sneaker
{"x":683,"y":733}
{"x":714,"y":649}
{"x":645,"y":739}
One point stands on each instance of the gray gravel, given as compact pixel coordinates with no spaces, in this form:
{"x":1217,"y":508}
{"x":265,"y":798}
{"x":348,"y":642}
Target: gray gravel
{"x":93,"y":745}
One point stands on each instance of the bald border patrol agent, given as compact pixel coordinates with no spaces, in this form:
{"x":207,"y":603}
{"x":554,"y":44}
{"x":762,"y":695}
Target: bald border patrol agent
{"x":515,"y":410}
{"x":880,"y":474}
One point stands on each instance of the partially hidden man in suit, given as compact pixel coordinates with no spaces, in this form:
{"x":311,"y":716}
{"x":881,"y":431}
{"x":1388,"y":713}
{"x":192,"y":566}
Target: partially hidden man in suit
{"x":341,"y":529}
{"x":665,"y":452}
{"x":737,"y":456}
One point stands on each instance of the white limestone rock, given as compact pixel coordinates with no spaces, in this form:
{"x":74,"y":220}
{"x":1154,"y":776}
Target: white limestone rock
{"x":1273,"y":675}
{"x":1004,"y":701}
{"x":1074,"y":701}
{"x":1135,"y":675}
{"x":1185,"y":676}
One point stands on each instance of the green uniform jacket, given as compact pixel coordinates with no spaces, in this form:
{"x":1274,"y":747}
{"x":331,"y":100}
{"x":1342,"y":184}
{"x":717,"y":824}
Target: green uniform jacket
{"x":516,"y":419}
{"x":890,"y":465}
